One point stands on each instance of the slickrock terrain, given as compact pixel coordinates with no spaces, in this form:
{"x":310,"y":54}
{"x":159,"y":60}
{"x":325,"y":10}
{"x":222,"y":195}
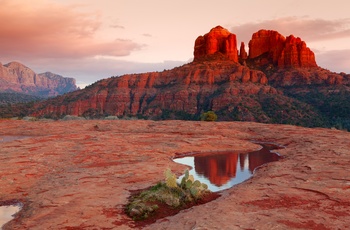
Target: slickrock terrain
{"x":16,"y":77}
{"x":79,"y":174}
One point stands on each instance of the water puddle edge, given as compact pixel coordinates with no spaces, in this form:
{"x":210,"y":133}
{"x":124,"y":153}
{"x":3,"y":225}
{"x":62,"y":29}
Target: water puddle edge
{"x":222,"y":170}
{"x":8,"y":211}
{"x":12,"y":138}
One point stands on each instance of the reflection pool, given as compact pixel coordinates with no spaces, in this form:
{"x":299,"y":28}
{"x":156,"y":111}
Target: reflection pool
{"x":222,"y":170}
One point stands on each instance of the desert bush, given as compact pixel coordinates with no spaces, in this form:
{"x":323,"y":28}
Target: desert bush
{"x":209,"y":116}
{"x":70,"y":118}
{"x":27,"y":118}
{"x":111,"y":118}
{"x":169,"y":192}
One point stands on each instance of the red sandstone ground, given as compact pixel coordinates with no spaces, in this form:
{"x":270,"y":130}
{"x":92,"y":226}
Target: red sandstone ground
{"x":79,"y":174}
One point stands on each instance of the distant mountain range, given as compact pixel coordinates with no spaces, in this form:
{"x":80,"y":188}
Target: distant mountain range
{"x":277,"y":81}
{"x":16,"y":79}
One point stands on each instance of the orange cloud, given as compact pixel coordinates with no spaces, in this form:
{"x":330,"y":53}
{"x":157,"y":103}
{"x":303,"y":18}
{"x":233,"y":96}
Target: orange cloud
{"x":45,"y":30}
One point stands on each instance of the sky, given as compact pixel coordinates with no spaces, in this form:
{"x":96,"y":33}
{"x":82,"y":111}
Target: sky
{"x":94,"y":39}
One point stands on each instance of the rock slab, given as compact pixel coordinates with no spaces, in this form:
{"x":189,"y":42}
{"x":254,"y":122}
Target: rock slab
{"x":79,"y":174}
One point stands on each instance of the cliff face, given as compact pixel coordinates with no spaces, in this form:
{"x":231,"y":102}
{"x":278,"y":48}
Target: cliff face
{"x":15,"y":77}
{"x":266,"y":42}
{"x":283,"y":52}
{"x":237,"y":86}
{"x":218,"y":40}
{"x":191,"y":88}
{"x":56,"y":82}
{"x":295,"y":54}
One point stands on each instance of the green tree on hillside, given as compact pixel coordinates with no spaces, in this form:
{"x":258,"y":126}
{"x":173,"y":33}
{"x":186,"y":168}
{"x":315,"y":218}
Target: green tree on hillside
{"x":209,"y":116}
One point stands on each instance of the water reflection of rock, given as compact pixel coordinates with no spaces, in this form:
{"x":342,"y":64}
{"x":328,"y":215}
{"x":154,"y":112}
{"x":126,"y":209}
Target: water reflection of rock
{"x":221,"y":168}
{"x":258,"y":158}
{"x":218,"y":168}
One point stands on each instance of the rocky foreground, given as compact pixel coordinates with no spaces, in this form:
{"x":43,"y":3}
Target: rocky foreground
{"x":79,"y":174}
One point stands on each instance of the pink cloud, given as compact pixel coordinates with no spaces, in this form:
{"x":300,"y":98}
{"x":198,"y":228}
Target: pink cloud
{"x":41,"y":30}
{"x":116,"y":26}
{"x":335,"y":60}
{"x":306,"y":28}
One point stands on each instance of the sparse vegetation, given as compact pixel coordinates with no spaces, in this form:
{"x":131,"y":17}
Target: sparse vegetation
{"x":111,"y":118}
{"x":13,"y":98}
{"x":70,"y":118}
{"x":27,"y":118}
{"x":209,"y":116}
{"x":169,"y":193}
{"x":332,"y":103}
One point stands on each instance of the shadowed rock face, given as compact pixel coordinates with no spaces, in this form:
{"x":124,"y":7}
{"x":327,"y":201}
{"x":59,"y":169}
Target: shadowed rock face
{"x":243,"y":55}
{"x":16,"y":77}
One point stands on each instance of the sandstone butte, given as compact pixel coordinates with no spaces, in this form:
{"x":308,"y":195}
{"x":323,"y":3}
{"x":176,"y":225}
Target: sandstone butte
{"x":281,"y":51}
{"x":217,"y":40}
{"x":79,"y":174}
{"x":216,"y":80}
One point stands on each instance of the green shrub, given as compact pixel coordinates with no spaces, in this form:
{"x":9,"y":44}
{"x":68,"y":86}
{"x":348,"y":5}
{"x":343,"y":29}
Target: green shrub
{"x":171,"y":193}
{"x":209,"y":116}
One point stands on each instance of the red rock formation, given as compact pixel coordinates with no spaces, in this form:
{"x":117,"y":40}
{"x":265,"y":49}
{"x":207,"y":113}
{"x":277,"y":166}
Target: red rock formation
{"x":16,"y":77}
{"x":187,"y":88}
{"x":218,"y":40}
{"x":303,"y":76}
{"x":242,"y":53}
{"x":213,"y":81}
{"x":272,"y":47}
{"x":217,"y":168}
{"x":266,"y":42}
{"x":296,"y":54}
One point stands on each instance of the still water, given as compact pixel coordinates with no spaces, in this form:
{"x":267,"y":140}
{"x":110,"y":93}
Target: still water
{"x":222,"y":170}
{"x":11,"y":138}
{"x":7,"y":212}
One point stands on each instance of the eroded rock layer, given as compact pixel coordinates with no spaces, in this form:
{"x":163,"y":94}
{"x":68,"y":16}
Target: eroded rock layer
{"x":189,"y":88}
